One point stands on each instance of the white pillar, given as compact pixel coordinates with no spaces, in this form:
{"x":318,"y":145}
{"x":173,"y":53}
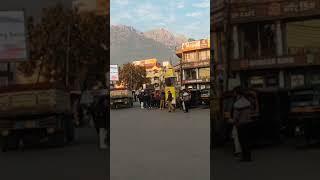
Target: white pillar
{"x":183,"y":75}
{"x":235,"y":42}
{"x":279,"y":39}
{"x":281,"y":79}
{"x":197,"y":73}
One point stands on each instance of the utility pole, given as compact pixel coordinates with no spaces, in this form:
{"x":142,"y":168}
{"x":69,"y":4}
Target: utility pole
{"x":68,"y":57}
{"x":227,"y":39}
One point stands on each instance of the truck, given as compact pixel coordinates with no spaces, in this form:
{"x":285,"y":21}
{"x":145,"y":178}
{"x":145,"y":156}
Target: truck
{"x":121,"y":98}
{"x":35,"y":113}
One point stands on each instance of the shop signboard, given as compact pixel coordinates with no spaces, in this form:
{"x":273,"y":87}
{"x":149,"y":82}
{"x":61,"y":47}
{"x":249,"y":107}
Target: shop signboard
{"x":297,"y":80}
{"x":114,"y":73}
{"x":275,"y":9}
{"x":13,"y":41}
{"x":196,"y":64}
{"x":191,"y":45}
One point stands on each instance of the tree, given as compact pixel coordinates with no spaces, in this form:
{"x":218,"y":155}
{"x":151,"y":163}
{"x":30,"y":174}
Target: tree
{"x":63,"y":34}
{"x":133,"y":76}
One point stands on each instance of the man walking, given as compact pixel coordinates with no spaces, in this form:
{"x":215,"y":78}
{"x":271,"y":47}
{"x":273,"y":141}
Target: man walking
{"x":185,"y":101}
{"x":162,"y":100}
{"x":169,"y":100}
{"x":243,"y":122}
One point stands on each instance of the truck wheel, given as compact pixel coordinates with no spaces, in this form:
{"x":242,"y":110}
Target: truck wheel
{"x":58,"y":139}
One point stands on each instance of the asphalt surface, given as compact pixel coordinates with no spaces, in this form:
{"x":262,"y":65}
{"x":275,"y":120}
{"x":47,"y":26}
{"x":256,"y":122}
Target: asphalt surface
{"x":284,"y":162}
{"x":158,"y":145}
{"x":82,"y":160}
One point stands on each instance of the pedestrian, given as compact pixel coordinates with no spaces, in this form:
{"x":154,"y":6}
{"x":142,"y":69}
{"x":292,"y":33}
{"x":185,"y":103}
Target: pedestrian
{"x":152,"y":100}
{"x":157,"y":98}
{"x":145,"y":99}
{"x":162,"y":100}
{"x":185,"y":101}
{"x":234,"y":132}
{"x":86,"y":101}
{"x":169,"y":100}
{"x":142,"y":101}
{"x":243,"y":122}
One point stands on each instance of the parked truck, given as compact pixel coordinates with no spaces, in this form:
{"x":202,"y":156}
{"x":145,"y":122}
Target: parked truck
{"x":121,"y":98}
{"x":32,"y":114}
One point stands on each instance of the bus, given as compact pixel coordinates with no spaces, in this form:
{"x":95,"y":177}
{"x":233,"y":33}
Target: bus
{"x":170,"y":84}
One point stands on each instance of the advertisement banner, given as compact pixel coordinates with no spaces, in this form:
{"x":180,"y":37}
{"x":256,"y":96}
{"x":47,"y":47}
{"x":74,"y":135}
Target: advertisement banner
{"x":13,"y":46}
{"x":114,"y":73}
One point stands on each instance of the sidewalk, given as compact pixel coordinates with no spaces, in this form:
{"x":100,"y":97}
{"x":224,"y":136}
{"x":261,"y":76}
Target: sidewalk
{"x":283,"y":163}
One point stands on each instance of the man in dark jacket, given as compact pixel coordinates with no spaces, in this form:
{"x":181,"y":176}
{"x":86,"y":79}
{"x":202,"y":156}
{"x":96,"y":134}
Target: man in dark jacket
{"x":162,"y":100}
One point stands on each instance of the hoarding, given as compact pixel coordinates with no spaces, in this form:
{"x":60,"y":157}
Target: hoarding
{"x":146,"y":62}
{"x":13,"y":46}
{"x":199,"y":44}
{"x":114,"y":73}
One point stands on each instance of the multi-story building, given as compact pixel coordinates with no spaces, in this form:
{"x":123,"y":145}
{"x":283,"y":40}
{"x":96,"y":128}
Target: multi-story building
{"x":269,"y":44}
{"x":195,"y":64}
{"x":153,"y":71}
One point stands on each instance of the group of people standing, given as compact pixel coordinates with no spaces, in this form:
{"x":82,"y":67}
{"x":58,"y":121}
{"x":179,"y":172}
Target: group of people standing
{"x":159,"y":100}
{"x":150,"y":99}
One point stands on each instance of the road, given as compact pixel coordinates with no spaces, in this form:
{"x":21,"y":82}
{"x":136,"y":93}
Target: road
{"x":158,"y":145}
{"x":283,"y":162}
{"x":82,"y":161}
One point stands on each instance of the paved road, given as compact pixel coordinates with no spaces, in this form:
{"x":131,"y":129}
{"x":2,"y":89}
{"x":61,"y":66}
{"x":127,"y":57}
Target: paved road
{"x":157,"y":145}
{"x":82,"y":161}
{"x":283,"y":163}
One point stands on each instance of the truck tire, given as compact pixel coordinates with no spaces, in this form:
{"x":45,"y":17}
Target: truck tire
{"x":69,"y":129}
{"x":59,"y":137}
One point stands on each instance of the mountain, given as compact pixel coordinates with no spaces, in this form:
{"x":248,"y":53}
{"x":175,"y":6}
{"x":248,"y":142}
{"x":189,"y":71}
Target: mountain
{"x":165,"y":37}
{"x":127,"y":44}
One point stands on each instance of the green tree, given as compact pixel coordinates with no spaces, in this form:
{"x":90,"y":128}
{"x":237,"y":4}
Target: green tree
{"x":63,"y":34}
{"x":133,"y":76}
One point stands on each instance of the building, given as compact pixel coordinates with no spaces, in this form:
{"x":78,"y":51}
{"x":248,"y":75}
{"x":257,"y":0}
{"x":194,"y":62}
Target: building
{"x":195,"y":64}
{"x":154,"y":71}
{"x":274,"y":44}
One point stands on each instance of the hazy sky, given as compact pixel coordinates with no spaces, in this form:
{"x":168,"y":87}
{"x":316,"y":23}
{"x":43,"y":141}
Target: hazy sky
{"x":187,"y":17}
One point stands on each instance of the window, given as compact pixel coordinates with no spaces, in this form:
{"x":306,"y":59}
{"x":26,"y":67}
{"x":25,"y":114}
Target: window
{"x":297,"y":80}
{"x":258,"y":40}
{"x":303,"y":37}
{"x":4,"y":81}
{"x":3,"y":67}
{"x":204,"y":73}
{"x":204,"y":55}
{"x":190,"y":74}
{"x":190,"y":57}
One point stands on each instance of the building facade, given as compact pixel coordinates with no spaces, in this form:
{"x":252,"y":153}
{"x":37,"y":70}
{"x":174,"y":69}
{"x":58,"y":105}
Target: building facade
{"x":195,"y":64}
{"x":154,"y":71}
{"x":269,"y":44}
